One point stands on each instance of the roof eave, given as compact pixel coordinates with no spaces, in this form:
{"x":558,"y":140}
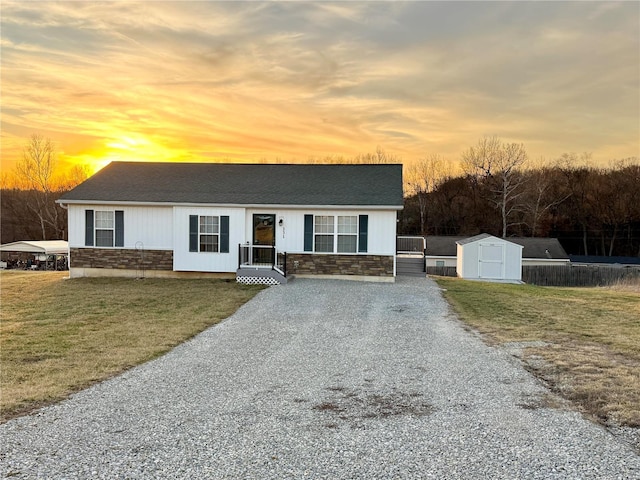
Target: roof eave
{"x":230,"y":205}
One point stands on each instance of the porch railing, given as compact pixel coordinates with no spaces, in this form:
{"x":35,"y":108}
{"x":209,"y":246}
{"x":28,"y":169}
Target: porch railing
{"x":411,"y":244}
{"x":262,"y":256}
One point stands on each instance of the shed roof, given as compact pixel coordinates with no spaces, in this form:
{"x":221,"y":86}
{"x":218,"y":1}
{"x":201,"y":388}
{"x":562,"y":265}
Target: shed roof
{"x":546,"y":248}
{"x":475,"y":238}
{"x":49,"y":247}
{"x":243,"y":184}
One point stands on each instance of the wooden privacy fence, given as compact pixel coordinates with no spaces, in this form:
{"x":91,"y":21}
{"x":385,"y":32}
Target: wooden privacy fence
{"x":442,"y":271}
{"x":578,"y":275}
{"x":564,"y":275}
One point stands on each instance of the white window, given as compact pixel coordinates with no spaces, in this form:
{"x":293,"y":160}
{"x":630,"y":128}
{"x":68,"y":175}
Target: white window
{"x":209,"y":233}
{"x":335,"y":234}
{"x":439,"y":263}
{"x":323,"y":233}
{"x":347,"y":234}
{"x":104,"y":228}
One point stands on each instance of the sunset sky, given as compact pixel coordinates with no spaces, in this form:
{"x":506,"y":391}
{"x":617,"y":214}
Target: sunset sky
{"x":256,"y":81}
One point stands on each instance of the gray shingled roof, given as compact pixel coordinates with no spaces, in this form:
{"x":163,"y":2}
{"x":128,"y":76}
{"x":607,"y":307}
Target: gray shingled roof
{"x":540,"y":247}
{"x":443,"y":245}
{"x":475,"y":238}
{"x":243,"y":184}
{"x":533,"y":247}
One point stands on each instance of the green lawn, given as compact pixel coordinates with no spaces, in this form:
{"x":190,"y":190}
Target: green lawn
{"x":593,"y":336}
{"x":59,"y":335}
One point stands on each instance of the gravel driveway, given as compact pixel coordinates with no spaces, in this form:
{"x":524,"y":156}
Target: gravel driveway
{"x":320,"y":379}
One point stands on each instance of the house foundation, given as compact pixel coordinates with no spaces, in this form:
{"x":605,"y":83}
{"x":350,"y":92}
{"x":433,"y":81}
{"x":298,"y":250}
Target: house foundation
{"x":345,"y":265}
{"x":121,"y":259}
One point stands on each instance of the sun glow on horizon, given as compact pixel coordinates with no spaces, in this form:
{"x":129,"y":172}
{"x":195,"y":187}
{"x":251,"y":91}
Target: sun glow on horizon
{"x":131,"y":147}
{"x":136,"y":147}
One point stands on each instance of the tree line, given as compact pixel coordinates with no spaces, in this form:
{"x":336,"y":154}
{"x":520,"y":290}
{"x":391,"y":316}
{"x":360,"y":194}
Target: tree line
{"x":494,"y":188}
{"x":591,"y":210}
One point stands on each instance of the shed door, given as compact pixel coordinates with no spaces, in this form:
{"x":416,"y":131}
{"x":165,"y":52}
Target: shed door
{"x":491,"y":260}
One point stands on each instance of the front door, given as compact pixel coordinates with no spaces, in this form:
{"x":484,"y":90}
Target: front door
{"x":264,"y":237}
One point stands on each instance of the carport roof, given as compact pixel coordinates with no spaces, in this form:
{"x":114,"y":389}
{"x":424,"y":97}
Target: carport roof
{"x":49,"y":247}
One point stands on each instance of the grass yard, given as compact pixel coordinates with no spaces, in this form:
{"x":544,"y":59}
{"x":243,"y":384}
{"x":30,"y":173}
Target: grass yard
{"x":58,"y":336}
{"x":593,"y":335}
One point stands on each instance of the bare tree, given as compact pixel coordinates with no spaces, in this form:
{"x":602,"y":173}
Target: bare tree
{"x":498,"y":166}
{"x":616,"y":194}
{"x":543,"y":192}
{"x":579,"y":181}
{"x":422,"y":178}
{"x":73,"y":177}
{"x":380,"y":156}
{"x":36,"y":173}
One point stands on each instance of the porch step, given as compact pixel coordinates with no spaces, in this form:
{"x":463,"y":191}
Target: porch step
{"x":410,"y":266}
{"x":259,"y":276}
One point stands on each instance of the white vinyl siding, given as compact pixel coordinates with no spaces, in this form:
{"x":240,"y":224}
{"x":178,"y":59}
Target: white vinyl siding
{"x":290,"y":234}
{"x":209,"y":238}
{"x":164,"y":227}
{"x":148,"y":227}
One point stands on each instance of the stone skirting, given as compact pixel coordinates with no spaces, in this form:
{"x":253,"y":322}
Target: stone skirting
{"x":361,"y":265}
{"x":297,"y":263}
{"x":121,"y":258}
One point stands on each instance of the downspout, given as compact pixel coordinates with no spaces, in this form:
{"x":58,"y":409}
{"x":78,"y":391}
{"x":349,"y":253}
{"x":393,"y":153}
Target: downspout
{"x":66,"y":207}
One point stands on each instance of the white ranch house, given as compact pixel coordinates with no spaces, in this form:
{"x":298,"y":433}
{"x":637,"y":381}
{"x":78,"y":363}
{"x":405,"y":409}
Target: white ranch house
{"x":260,"y":222}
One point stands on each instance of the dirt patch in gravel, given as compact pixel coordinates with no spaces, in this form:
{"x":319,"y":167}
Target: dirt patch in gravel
{"x":354,"y":407}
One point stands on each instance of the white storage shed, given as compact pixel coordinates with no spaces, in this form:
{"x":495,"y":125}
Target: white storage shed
{"x":485,"y":257}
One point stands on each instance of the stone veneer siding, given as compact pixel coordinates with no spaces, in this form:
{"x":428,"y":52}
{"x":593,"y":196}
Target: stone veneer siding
{"x":121,"y":258}
{"x":367,"y":265}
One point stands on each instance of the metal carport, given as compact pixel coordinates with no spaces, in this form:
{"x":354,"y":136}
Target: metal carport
{"x":38,"y":247}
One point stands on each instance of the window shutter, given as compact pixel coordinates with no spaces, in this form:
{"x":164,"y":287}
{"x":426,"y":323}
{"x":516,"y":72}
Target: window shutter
{"x":363,"y":232}
{"x":308,"y":233}
{"x":224,"y":234}
{"x":193,"y":233}
{"x":119,"y":228}
{"x":88,"y":228}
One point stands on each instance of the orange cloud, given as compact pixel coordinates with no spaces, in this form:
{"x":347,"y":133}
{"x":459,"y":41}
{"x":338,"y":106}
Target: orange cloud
{"x":203,"y":81}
